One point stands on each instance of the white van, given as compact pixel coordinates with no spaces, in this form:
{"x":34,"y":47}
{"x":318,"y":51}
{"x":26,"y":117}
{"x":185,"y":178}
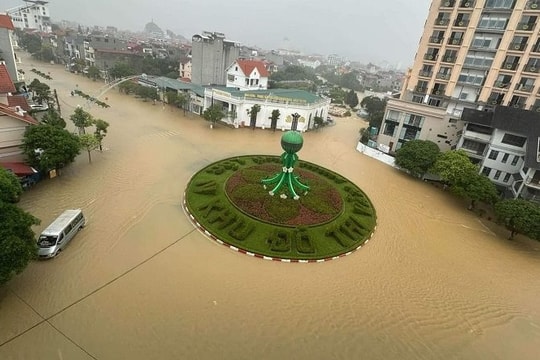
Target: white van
{"x":58,"y":234}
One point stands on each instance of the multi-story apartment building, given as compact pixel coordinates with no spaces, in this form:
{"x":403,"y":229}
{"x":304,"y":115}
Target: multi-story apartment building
{"x":33,"y":14}
{"x":481,"y":55}
{"x":6,"y":47}
{"x":211,"y":55}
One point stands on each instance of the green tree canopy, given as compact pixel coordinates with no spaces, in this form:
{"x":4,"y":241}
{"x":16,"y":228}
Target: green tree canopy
{"x":10,"y":186}
{"x":93,"y":72}
{"x":479,"y":188}
{"x":17,"y":240}
{"x":82,"y":119}
{"x":41,"y":92}
{"x":352,"y":99}
{"x":53,"y":118}
{"x":374,"y":106}
{"x":454,"y":167}
{"x":417,"y":156}
{"x":100,"y":131}
{"x":274,"y":119}
{"x":520,"y":217}
{"x":213,"y":114}
{"x":49,"y":147}
{"x":294,"y":72}
{"x":89,"y":142}
{"x":252,"y":112}
{"x":121,"y":70}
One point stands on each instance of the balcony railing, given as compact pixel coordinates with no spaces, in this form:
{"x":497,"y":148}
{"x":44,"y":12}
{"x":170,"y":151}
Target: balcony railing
{"x":461,"y":23}
{"x":449,"y":59}
{"x":494,"y":101}
{"x":435,"y":39}
{"x":420,"y":89}
{"x":510,"y":66}
{"x":524,"y":87}
{"x":525,"y":26}
{"x":517,"y":46}
{"x":533,"y":68}
{"x":442,"y":22}
{"x":532,"y":5}
{"x":443,"y":76}
{"x":448,"y":3}
{"x":430,"y":57}
{"x":425,"y":73}
{"x":439,"y":92}
{"x":502,"y":84}
{"x":455,"y":41}
{"x":467,"y":4}
{"x":535,"y":108}
{"x":517,"y":105}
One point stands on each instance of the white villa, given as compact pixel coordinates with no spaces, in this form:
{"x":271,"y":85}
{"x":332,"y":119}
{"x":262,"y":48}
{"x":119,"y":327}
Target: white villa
{"x":247,"y":75}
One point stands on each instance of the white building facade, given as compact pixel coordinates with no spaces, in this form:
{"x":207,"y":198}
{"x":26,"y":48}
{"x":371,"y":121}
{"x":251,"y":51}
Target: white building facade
{"x":247,"y":75}
{"x":33,"y":15}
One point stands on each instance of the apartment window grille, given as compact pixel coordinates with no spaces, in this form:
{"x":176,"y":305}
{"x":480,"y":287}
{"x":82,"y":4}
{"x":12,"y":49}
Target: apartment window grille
{"x":493,"y":154}
{"x":514,"y":140}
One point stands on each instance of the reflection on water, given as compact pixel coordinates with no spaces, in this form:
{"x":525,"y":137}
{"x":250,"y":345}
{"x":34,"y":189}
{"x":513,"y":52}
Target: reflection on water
{"x":140,"y":283}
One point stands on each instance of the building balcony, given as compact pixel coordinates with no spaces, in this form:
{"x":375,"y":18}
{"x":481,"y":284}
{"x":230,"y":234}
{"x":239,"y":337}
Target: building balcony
{"x":473,"y":135}
{"x":425,"y":73}
{"x":430,"y":57}
{"x":438,"y":92}
{"x":533,"y":182}
{"x":442,"y":22}
{"x":467,"y":4}
{"x":449,"y":59}
{"x":494,"y":101}
{"x":502,"y":85}
{"x":517,"y":46}
{"x":455,"y":41}
{"x":524,"y":87}
{"x":420,"y":89}
{"x":443,"y":76}
{"x":435,"y":40}
{"x":510,"y":66}
{"x":525,"y":26}
{"x":461,"y":23}
{"x":532,"y":5}
{"x":474,"y":153}
{"x":448,"y":3}
{"x":517,"y":105}
{"x":533,"y":68}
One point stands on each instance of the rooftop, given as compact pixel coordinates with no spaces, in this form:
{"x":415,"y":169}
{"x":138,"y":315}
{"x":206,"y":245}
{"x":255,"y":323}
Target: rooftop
{"x":6,"y":84}
{"x":6,"y":23}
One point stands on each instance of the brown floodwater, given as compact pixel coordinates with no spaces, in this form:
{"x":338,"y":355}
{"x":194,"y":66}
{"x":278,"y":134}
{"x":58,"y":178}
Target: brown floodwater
{"x":139,"y":282}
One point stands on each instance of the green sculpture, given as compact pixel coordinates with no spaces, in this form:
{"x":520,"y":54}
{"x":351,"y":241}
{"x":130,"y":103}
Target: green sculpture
{"x":291,"y":142}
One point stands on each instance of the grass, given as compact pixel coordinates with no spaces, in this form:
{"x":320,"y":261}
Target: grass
{"x":227,"y":198}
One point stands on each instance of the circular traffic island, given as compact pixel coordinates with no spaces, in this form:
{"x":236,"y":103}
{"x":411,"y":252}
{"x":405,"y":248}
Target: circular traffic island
{"x":228,"y":201}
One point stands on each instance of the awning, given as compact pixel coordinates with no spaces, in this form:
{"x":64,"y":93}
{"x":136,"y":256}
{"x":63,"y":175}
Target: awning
{"x":19,"y":168}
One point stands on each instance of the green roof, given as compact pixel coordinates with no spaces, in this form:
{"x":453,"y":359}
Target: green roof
{"x":165,"y":82}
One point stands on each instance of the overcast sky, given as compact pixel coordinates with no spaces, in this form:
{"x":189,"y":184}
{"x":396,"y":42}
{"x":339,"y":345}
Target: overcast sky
{"x":375,"y":30}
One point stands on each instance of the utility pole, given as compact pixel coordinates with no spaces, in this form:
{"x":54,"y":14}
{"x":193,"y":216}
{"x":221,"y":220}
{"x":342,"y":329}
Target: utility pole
{"x":57,"y":102}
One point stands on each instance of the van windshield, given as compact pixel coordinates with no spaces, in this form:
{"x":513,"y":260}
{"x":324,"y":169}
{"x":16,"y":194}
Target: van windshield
{"x":47,"y":241}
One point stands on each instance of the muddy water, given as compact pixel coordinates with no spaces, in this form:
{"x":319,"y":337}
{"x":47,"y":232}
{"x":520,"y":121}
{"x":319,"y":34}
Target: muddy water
{"x":140,"y":283}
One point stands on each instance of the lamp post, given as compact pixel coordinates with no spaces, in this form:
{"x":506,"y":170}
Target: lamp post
{"x":294,"y":124}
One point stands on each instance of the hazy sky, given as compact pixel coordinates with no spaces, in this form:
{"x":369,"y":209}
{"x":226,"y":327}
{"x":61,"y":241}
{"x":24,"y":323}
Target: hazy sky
{"x":358,"y":29}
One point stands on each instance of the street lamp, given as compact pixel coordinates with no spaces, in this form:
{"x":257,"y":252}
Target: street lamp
{"x":294,"y":124}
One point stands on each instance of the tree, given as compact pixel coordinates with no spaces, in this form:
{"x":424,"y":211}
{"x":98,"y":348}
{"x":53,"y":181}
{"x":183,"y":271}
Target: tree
{"x":17,"y":240}
{"x":49,"y":147}
{"x":374,"y":106}
{"x":82,"y":119}
{"x":89,"y":142}
{"x":454,"y":167}
{"x":213,"y":114}
{"x":417,"y":156}
{"x":41,"y":92}
{"x":274,"y":119}
{"x":520,"y":217}
{"x":93,"y":72}
{"x":182,"y":101}
{"x":480,"y":188}
{"x":10,"y":187}
{"x":352,"y":99}
{"x":101,"y":131}
{"x":120,"y":70}
{"x":253,"y":115}
{"x":53,"y":118}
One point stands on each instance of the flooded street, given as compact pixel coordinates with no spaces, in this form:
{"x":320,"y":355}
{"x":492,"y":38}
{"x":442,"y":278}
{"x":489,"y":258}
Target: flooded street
{"x":139,"y":282}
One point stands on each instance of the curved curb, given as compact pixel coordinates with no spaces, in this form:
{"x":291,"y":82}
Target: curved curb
{"x":207,"y":233}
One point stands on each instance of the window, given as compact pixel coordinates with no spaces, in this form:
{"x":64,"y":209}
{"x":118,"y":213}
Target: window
{"x":479,"y":129}
{"x":473,"y":146}
{"x":473,"y":79}
{"x":393,"y":115}
{"x":492,"y":22}
{"x":497,"y":175}
{"x":482,"y":41}
{"x":389,"y":128}
{"x":515,"y":160}
{"x":486,"y":171}
{"x":513,"y":140}
{"x":507,"y":177}
{"x":505,"y":158}
{"x":499,"y":4}
{"x":493,"y":154}
{"x":417,"y":99}
{"x":414,"y":120}
{"x":480,"y":60}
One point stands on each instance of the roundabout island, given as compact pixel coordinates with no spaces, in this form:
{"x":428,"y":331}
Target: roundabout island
{"x":280,"y":208}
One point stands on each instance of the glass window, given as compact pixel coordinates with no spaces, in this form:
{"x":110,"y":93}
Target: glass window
{"x":492,"y":22}
{"x":493,"y":154}
{"x":507,"y":177}
{"x":505,"y":158}
{"x":514,"y":140}
{"x":499,"y":4}
{"x":486,"y":170}
{"x":515,"y":160}
{"x":497,"y":175}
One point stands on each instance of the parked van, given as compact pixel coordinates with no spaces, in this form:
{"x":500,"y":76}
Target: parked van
{"x":58,"y":234}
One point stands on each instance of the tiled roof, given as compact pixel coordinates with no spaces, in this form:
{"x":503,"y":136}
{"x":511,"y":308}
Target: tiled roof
{"x":18,"y":100}
{"x":6,"y":85}
{"x":248,"y":66}
{"x":5,"y":110}
{"x":5,"y":22}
